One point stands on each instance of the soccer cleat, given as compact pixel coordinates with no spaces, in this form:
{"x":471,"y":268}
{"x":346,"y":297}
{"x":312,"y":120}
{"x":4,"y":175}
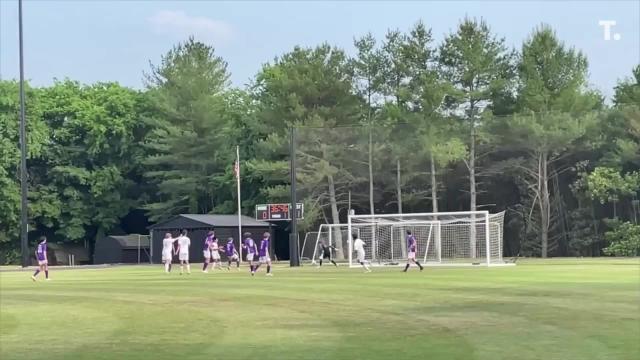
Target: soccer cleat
{"x":33,"y":278}
{"x":48,"y":279}
{"x":269,"y":274}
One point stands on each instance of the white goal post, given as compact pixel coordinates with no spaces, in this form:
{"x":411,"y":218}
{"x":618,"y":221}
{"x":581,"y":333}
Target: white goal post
{"x":446,"y":238}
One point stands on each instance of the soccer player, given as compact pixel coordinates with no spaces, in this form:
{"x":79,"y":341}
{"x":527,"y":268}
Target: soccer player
{"x":232,"y":254}
{"x":183,"y":251}
{"x":412,"y":247}
{"x":251,"y":249}
{"x":206,"y":250}
{"x":41,"y":255}
{"x":325,"y":252}
{"x":215,"y":254}
{"x":358,"y":246}
{"x":264,"y":253}
{"x":167,"y":251}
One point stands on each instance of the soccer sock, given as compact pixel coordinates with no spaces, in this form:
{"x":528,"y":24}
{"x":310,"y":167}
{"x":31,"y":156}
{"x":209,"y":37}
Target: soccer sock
{"x":420,"y":266}
{"x":320,"y":262}
{"x":181,"y":268}
{"x":237,"y":263}
{"x":166,"y":267}
{"x":251,"y":268}
{"x":46,"y":274}
{"x":204,"y":266}
{"x":36,"y":273}
{"x":406,"y":267}
{"x":334,"y":263}
{"x":169,"y":267}
{"x":268,"y":269}
{"x":256,"y":268}
{"x":189,"y":268}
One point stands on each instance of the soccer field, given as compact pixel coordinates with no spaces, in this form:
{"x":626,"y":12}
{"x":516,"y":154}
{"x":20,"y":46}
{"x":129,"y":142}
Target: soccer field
{"x":558,"y":309}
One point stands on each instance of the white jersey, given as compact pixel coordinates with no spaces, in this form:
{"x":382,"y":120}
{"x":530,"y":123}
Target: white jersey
{"x":167,"y":245}
{"x":358,"y":245}
{"x":184,"y":242}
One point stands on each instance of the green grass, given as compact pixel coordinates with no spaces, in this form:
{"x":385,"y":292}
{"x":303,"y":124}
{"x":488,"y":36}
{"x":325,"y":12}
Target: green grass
{"x":567,"y":309}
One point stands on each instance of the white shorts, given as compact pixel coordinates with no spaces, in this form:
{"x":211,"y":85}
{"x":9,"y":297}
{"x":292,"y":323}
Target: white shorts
{"x":215,"y":255}
{"x":360,"y":256}
{"x":249,"y":257}
{"x":183,"y":256}
{"x":265,"y":259}
{"x":233,"y":257}
{"x":43,"y":262}
{"x":412,"y":256}
{"x":206,"y":254}
{"x":167,"y":256}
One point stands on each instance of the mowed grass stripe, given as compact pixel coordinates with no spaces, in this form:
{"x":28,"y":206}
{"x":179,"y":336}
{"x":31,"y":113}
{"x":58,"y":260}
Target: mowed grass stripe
{"x":565,"y":310}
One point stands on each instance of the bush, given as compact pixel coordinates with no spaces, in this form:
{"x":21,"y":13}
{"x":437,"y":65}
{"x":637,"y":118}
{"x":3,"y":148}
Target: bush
{"x":624,"y":239}
{"x":9,"y":255}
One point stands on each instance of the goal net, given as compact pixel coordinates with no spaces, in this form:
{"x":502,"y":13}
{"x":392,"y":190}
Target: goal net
{"x":336,"y":235}
{"x":447,"y":238}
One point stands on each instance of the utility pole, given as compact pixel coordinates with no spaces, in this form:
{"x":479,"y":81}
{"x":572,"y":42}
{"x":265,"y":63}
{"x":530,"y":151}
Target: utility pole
{"x":294,"y":254}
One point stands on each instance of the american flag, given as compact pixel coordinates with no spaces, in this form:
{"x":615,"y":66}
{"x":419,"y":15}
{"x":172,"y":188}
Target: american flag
{"x":236,"y":169}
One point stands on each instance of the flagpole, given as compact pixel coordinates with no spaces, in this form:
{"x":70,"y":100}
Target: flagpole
{"x":24,"y":226}
{"x":237,"y":171}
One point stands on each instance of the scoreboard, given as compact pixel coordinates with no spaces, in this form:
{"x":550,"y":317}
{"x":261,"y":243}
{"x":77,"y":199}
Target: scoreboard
{"x":276,"y":212}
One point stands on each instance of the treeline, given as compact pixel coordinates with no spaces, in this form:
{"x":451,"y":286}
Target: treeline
{"x":404,"y":125}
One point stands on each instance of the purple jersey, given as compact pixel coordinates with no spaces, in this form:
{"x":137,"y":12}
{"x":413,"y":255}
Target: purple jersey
{"x":264,"y":247}
{"x":208,"y":242}
{"x":411,"y":243}
{"x":230,"y":249}
{"x":250,"y":245}
{"x":41,"y":251}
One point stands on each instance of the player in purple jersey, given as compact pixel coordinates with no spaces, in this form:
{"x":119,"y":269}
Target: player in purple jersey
{"x":251,"y":249}
{"x":41,"y":255}
{"x":412,"y":247}
{"x":232,"y":254}
{"x":264,"y":253}
{"x":206,"y":250}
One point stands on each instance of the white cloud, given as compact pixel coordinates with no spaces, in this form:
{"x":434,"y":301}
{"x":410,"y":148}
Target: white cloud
{"x":179,"y":24}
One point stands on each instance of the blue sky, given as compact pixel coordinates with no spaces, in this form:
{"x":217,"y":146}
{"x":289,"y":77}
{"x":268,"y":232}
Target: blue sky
{"x":115,"y":40}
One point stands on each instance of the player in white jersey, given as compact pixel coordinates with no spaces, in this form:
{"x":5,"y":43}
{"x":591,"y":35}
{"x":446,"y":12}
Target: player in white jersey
{"x":215,"y":254}
{"x":206,"y":251}
{"x":183,"y":251}
{"x":167,"y":251}
{"x":358,"y":246}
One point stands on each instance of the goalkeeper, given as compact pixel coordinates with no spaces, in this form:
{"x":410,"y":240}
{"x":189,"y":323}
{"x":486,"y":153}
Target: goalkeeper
{"x":325,"y":252}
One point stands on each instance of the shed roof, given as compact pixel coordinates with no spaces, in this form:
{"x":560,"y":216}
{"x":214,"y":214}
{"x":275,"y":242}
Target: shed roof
{"x":191,"y":221}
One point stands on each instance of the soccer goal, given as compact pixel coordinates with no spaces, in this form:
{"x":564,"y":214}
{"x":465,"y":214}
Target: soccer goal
{"x":447,"y":238}
{"x":332,"y":235}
